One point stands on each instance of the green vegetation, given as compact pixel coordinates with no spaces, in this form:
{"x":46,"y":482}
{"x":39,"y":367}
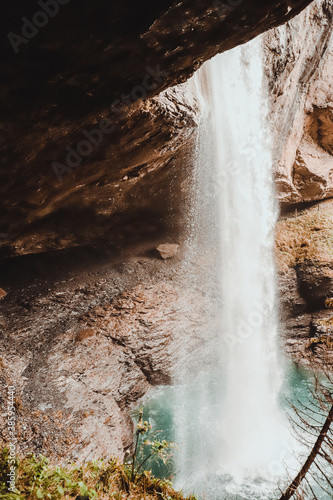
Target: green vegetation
{"x":37,"y":479}
{"x":156,"y":449}
{"x":322,"y":340}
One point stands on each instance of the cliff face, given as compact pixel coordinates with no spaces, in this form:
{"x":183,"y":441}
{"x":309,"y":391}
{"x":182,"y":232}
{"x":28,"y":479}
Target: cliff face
{"x":86,"y":332}
{"x":299,"y":59}
{"x":304,"y":250}
{"x":86,"y":150}
{"x":299,"y":67}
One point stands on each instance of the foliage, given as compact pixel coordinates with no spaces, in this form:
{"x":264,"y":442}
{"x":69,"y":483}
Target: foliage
{"x":157,"y":449}
{"x":99,"y":479}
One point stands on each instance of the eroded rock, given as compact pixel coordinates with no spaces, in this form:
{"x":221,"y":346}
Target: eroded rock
{"x":79,"y":366}
{"x":305,"y":262}
{"x":299,"y":65}
{"x":168,"y":250}
{"x":90,"y":154}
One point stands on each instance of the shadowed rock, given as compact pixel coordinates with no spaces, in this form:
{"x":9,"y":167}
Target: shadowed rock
{"x":83,"y":153}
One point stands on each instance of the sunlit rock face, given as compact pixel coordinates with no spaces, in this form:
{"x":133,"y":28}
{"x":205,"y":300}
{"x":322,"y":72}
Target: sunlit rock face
{"x":313,"y":167}
{"x":304,"y":260}
{"x":69,"y":177}
{"x":300,"y":65}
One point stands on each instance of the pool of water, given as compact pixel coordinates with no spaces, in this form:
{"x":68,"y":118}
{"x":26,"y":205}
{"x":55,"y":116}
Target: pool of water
{"x":188,"y":416}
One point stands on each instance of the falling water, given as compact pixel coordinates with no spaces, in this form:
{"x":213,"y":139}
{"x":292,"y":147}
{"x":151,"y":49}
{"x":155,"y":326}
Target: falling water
{"x":232,"y":437}
{"x":234,"y":144}
{"x":247,"y":218}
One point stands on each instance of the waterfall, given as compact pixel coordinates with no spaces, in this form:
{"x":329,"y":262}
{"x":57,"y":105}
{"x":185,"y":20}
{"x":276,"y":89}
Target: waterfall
{"x":224,"y":410}
{"x":235,"y":419}
{"x":247,"y":217}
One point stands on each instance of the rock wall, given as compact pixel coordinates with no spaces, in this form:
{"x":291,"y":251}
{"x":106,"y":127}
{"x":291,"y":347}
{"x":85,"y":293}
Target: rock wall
{"x":299,"y":58}
{"x":86,"y":154}
{"x":299,"y":65}
{"x":304,"y":250}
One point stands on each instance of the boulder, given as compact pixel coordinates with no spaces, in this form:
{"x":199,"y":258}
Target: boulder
{"x":168,"y":250}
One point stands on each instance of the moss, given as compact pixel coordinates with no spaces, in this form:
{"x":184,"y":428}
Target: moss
{"x":306,"y":237}
{"x":100,"y":480}
{"x":322,"y":340}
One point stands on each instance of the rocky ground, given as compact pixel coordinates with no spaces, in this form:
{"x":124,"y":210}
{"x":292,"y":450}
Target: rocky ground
{"x":86,"y":335}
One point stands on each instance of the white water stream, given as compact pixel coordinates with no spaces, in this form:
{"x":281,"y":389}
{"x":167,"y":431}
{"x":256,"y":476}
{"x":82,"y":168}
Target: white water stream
{"x":245,"y":419}
{"x":251,"y":420}
{"x":233,"y":438}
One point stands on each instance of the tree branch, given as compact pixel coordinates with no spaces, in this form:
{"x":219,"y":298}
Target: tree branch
{"x":292,"y":488}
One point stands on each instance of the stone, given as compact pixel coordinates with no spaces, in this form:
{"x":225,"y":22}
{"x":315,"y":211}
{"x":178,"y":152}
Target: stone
{"x":306,"y":283}
{"x":85,"y":334}
{"x":96,"y":376}
{"x":299,"y":66}
{"x":61,"y":176}
{"x":168,"y":250}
